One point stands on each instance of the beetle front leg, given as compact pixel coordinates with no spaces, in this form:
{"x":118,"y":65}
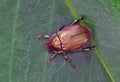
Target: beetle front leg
{"x":77,"y":20}
{"x":51,"y":58}
{"x":68,"y":60}
{"x":45,"y":36}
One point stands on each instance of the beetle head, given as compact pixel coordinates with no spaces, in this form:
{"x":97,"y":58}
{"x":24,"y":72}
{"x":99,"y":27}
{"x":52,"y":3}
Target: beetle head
{"x":49,"y":46}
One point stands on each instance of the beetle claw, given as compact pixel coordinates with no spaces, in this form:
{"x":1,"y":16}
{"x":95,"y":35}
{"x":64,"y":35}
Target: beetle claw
{"x":73,"y":66}
{"x":48,"y":62}
{"x":81,"y":18}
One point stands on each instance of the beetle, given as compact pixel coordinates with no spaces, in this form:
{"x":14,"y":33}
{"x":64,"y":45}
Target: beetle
{"x":73,"y":37}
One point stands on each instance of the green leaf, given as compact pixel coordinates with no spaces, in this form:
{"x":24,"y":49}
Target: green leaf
{"x":23,"y":57}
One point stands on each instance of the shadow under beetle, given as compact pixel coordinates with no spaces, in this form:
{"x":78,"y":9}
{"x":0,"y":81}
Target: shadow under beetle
{"x":69,"y":39}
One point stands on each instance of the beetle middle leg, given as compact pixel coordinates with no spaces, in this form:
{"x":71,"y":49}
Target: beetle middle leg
{"x":77,"y":20}
{"x":68,"y":60}
{"x":64,"y":54}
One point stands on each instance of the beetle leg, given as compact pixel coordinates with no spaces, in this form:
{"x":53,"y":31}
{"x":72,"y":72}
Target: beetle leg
{"x":88,"y":48}
{"x":61,"y":28}
{"x":77,"y":20}
{"x":45,"y":36}
{"x":51,"y":58}
{"x":68,"y":60}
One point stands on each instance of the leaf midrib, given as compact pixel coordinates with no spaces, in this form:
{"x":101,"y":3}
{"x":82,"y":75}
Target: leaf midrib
{"x":99,"y":55}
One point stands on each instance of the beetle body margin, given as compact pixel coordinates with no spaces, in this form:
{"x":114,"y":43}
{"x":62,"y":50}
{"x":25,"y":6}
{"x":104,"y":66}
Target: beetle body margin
{"x":72,"y":37}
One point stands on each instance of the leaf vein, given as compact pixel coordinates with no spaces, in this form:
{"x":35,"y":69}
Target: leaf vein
{"x":13,"y":41}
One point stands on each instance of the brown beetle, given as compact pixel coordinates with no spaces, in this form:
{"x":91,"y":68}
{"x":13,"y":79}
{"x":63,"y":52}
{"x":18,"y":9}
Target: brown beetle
{"x":69,"y":39}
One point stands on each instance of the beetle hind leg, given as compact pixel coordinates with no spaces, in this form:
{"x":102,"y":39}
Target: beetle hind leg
{"x":77,"y":20}
{"x":88,"y":48}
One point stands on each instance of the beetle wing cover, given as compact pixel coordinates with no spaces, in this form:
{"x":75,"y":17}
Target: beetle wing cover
{"x":72,"y":37}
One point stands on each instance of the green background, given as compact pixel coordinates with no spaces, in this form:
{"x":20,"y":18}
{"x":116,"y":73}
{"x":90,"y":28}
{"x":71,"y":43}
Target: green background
{"x":23,"y":56}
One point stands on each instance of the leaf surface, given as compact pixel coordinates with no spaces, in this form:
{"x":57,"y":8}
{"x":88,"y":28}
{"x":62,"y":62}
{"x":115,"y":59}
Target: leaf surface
{"x":23,"y":56}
